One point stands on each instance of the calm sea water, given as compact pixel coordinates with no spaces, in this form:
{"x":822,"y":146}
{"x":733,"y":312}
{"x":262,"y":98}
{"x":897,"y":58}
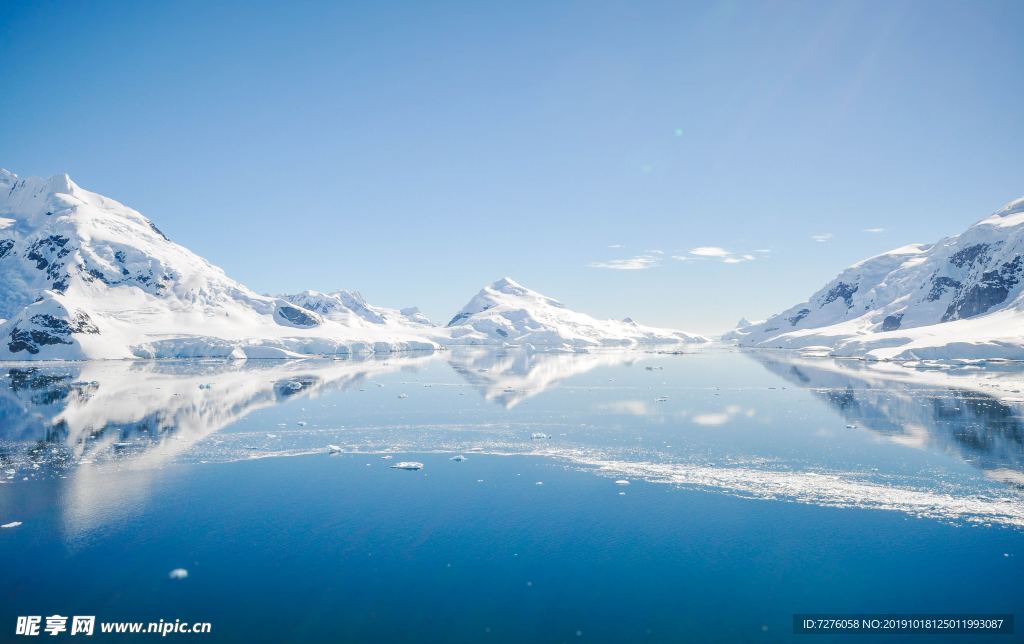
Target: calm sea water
{"x":609,"y":497}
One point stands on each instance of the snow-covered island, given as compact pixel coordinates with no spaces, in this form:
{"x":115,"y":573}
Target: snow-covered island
{"x":86,"y":277}
{"x":959,"y":298}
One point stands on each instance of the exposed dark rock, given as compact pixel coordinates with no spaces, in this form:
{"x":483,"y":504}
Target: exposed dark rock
{"x":298,"y":317}
{"x":502,"y":332}
{"x":940,"y":285}
{"x":801,"y":314}
{"x":5,"y":247}
{"x":95,"y":274}
{"x":45,"y":253}
{"x":157,"y":230}
{"x":968,"y":255}
{"x":841,"y":290}
{"x":120,"y":257}
{"x":49,"y":330}
{"x":465,"y":316}
{"x":991,"y":289}
{"x":892,"y":322}
{"x":31,"y":340}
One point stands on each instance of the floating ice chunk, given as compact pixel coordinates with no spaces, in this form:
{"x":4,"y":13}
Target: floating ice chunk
{"x":458,"y":458}
{"x":661,"y":399}
{"x":851,"y":427}
{"x":407,"y":465}
{"x":301,"y":423}
{"x":387,"y":457}
{"x":622,"y":482}
{"x":539,"y":436}
{"x":333,"y":449}
{"x":178,"y":573}
{"x":206,"y":385}
{"x":12,"y":524}
{"x":539,"y":483}
{"x":403,"y":395}
{"x":271,"y":435}
{"x":293,"y":385}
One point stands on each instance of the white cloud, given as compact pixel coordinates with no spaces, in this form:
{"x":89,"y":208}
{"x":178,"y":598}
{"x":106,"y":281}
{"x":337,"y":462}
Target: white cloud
{"x":822,"y":237}
{"x":614,"y":245}
{"x":716,"y":252}
{"x":638,"y":263}
{"x":874,"y":230}
{"x":709,"y":251}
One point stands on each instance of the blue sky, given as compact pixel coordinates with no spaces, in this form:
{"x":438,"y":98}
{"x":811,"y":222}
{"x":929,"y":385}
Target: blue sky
{"x":416,"y":151}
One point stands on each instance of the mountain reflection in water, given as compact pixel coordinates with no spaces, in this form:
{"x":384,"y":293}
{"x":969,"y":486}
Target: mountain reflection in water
{"x":707,"y":420}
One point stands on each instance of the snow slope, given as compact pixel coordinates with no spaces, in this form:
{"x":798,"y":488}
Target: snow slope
{"x":87,"y":277}
{"x":962,"y":297}
{"x":507,"y":313}
{"x":351,"y":309}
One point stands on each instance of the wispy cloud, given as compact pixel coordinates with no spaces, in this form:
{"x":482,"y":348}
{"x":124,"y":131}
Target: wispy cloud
{"x":874,"y":230}
{"x":614,"y":245}
{"x":822,"y":237}
{"x":737,"y":259}
{"x":638,"y":263}
{"x":715,"y":252}
{"x":709,"y":251}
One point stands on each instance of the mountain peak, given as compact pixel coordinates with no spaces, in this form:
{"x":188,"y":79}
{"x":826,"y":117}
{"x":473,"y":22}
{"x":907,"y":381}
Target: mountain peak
{"x":507,"y":285}
{"x":958,"y":298}
{"x":506,"y":312}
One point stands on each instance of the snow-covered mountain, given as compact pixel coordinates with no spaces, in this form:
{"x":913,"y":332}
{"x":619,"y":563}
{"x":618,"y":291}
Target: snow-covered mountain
{"x":351,"y":309}
{"x":962,"y":297}
{"x":507,"y":313}
{"x":87,"y":277}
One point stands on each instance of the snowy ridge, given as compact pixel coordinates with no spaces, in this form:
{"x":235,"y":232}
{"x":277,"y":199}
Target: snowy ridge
{"x":87,"y":277}
{"x":351,"y":309}
{"x":507,"y":313}
{"x":962,"y":297}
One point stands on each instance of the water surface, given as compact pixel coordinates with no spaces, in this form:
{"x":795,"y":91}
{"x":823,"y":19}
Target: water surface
{"x":606,"y":497}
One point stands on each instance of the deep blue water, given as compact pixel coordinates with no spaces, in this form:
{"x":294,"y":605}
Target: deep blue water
{"x":222,"y":469}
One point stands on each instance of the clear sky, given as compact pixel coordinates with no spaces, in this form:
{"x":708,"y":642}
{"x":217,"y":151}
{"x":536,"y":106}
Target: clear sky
{"x":416,"y":151}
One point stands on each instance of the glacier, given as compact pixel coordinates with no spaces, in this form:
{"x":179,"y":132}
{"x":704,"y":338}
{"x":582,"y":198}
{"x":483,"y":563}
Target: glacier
{"x":961,"y":298}
{"x":506,"y":312}
{"x":86,"y":277}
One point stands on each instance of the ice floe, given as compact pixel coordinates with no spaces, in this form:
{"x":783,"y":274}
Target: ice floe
{"x":407,"y":465}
